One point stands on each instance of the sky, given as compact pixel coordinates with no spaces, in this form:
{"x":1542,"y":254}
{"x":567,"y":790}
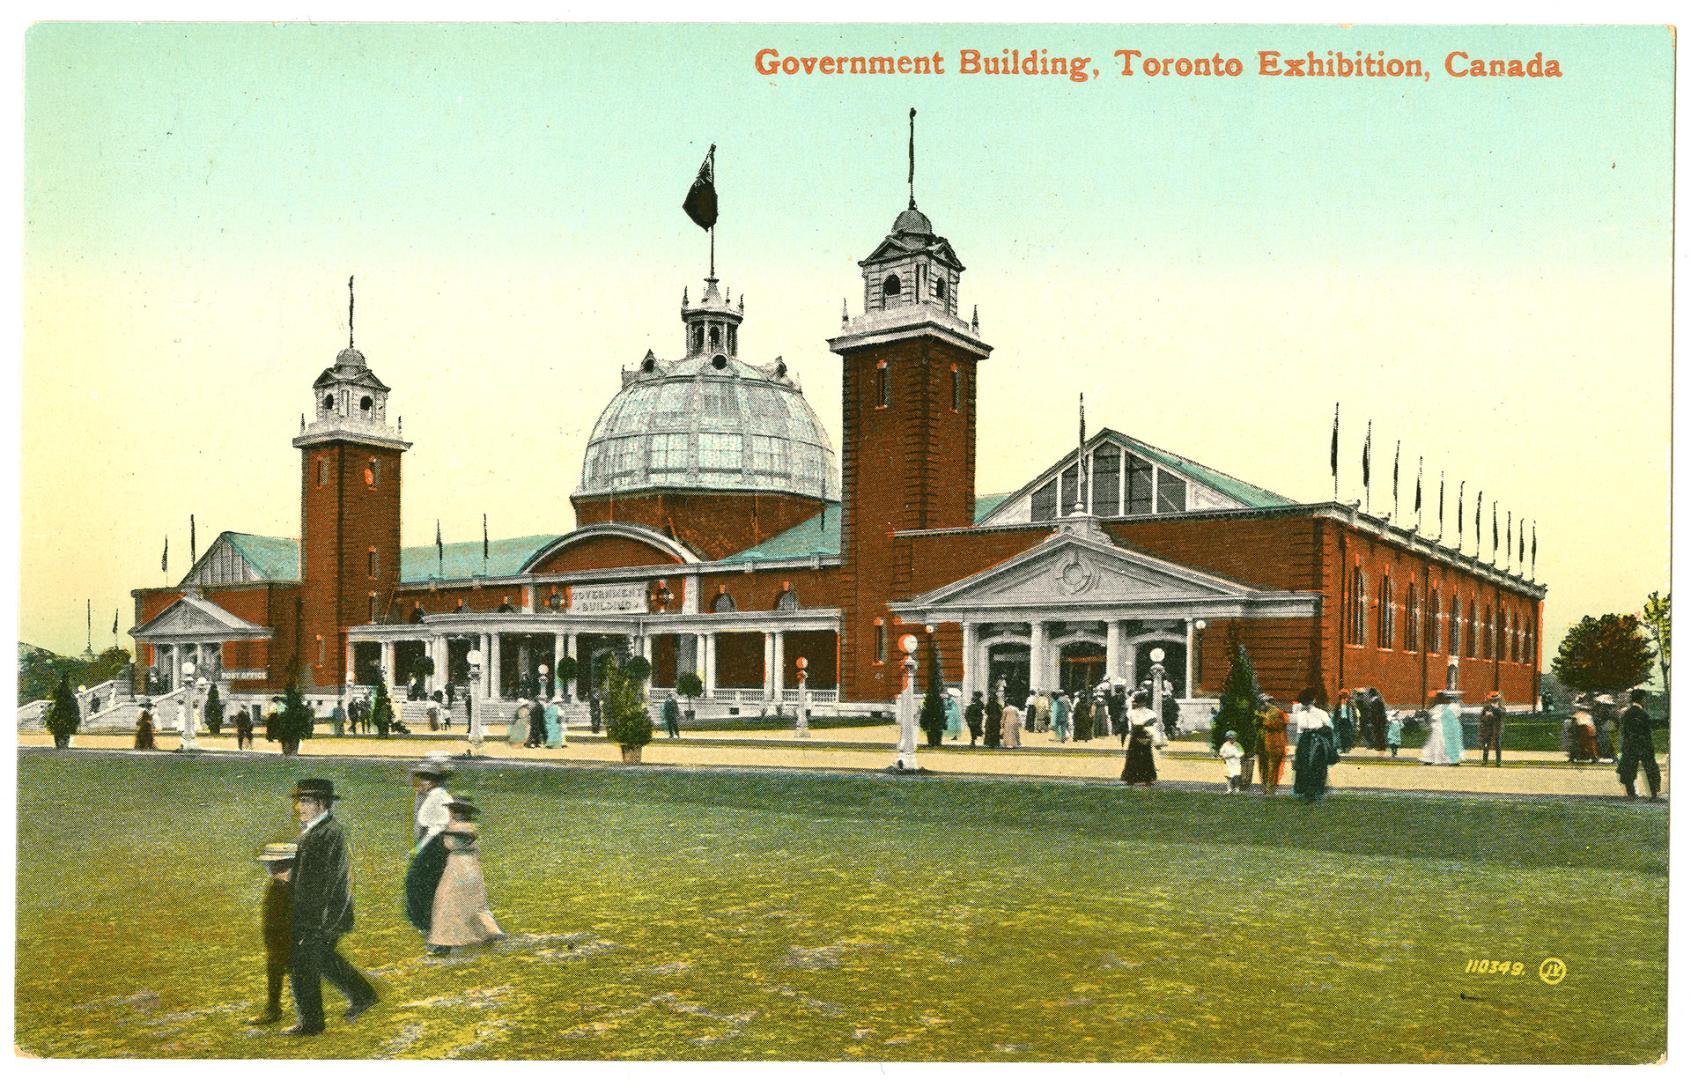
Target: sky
{"x":1479,"y":266}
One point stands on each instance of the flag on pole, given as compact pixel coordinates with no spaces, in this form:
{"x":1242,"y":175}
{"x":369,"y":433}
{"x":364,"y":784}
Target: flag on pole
{"x":1521,"y":545}
{"x":1396,"y":456}
{"x":1367,"y":453}
{"x":1535,"y":550}
{"x":114,"y":622}
{"x":1080,"y":452}
{"x":1333,"y":454}
{"x":700,"y":203}
{"x":1479,"y":508}
{"x":439,"y":551}
{"x":164,"y":560}
{"x":193,"y":543}
{"x":1508,"y":536}
{"x":1494,"y":532}
{"x":484,"y":541}
{"x":1461,"y":490}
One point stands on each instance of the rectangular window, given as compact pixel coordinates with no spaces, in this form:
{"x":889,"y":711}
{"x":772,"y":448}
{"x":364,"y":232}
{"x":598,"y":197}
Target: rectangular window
{"x":764,"y":450}
{"x":883,"y":388}
{"x":880,"y":643}
{"x":322,"y":651}
{"x":1138,"y":485}
{"x":668,"y":456}
{"x":372,"y":607}
{"x":1044,"y":503}
{"x":1171,"y":493}
{"x":1106,"y":481}
{"x":956,"y":390}
{"x":322,"y":471}
{"x":375,"y":564}
{"x":1071,"y":481}
{"x":721,"y":453}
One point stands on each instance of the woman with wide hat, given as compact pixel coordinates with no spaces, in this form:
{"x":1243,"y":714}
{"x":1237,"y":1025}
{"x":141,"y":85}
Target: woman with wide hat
{"x":1316,"y":747}
{"x":460,"y":914}
{"x":428,"y":852}
{"x":1143,"y":726}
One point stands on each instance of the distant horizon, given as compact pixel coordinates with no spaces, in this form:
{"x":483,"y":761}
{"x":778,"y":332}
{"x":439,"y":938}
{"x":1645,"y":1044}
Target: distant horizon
{"x":1485,"y":272}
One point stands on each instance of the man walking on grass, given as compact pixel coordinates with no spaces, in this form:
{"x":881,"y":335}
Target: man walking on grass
{"x":322,"y":912}
{"x":1638,"y":747}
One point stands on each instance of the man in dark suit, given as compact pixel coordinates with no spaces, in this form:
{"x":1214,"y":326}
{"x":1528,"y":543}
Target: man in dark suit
{"x":322,"y":912}
{"x":1638,"y":747}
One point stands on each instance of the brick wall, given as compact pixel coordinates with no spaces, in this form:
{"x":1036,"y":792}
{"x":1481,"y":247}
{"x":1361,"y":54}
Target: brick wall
{"x":714,"y":524}
{"x":343,"y":517}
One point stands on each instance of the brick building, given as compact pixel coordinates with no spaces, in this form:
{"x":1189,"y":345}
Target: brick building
{"x":711,"y":536}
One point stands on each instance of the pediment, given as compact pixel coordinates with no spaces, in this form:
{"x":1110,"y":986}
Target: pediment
{"x":1068,"y":570}
{"x":192,"y":616}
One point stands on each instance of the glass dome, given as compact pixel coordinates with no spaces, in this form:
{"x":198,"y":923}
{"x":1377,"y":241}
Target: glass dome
{"x":710,"y":424}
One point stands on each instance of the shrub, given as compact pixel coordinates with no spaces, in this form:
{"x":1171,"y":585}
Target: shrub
{"x":564,"y":670}
{"x":933,"y":702}
{"x":293,"y":721}
{"x":63,"y":715}
{"x":638,"y":668}
{"x":1237,"y":710}
{"x":690,"y":686}
{"x":213,"y":711}
{"x":627,"y":721}
{"x":381,"y":710}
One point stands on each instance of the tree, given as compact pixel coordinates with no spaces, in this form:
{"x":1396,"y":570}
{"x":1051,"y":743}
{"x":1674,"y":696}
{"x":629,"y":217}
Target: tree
{"x":564,"y":669}
{"x":690,"y":686}
{"x":638,"y":668}
{"x":628,"y":723}
{"x":1237,"y":709}
{"x":213,"y":711}
{"x":293,"y":721}
{"x":993,"y":736}
{"x":933,"y":699}
{"x":64,"y":716}
{"x":1606,"y":654}
{"x":381,"y":710}
{"x":1658,"y":616}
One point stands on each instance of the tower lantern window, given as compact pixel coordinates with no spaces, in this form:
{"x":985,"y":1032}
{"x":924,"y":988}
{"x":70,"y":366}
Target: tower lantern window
{"x":366,"y":403}
{"x":328,"y":402}
{"x":715,"y":336}
{"x":891,"y":286}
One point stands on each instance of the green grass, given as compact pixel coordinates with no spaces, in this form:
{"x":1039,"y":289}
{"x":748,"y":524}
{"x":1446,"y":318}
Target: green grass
{"x":709,"y":914}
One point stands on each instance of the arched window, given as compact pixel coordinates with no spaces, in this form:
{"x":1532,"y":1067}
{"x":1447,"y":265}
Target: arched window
{"x":883,"y":386}
{"x":1455,"y":627}
{"x":698,"y":338}
{"x":1358,"y":621}
{"x":1412,"y":619}
{"x":1433,"y":620}
{"x":375,"y":562}
{"x":891,"y":286}
{"x":1386,"y":634}
{"x":1490,"y":644}
{"x":939,"y":288}
{"x":328,"y":402}
{"x":366,"y":403}
{"x":1473,"y":629}
{"x":787,"y":601}
{"x":723,"y":602}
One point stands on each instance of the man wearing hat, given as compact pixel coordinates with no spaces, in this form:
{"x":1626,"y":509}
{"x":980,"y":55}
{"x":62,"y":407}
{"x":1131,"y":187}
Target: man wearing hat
{"x":1638,"y":747}
{"x":322,"y":911}
{"x":1491,"y":728}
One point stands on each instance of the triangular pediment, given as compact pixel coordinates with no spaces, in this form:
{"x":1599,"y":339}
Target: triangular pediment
{"x":195,"y":616}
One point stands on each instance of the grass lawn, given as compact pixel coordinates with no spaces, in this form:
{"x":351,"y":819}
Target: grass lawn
{"x":712,"y":914}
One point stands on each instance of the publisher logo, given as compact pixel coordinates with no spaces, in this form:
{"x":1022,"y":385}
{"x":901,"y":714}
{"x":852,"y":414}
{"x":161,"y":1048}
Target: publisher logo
{"x":1552,"y":971}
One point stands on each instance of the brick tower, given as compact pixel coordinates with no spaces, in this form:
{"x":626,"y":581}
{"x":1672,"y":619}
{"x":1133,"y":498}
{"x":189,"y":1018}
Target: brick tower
{"x":907,"y":454}
{"x":348,"y":512}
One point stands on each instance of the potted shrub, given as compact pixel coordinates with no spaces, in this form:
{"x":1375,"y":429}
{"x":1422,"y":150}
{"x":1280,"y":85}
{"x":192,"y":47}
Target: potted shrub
{"x":639,"y":669}
{"x":691,"y":687}
{"x":628,"y":723}
{"x":564,"y":669}
{"x":213,"y":711}
{"x":293,"y":721}
{"x":63,"y":715}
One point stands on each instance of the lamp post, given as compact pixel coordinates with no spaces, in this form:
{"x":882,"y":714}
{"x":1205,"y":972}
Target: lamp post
{"x":545,"y":680}
{"x":189,"y":741}
{"x":82,"y":700}
{"x":906,"y":761}
{"x":1198,"y":628}
{"x":475,"y":692}
{"x":1157,"y":676}
{"x":803,"y":730}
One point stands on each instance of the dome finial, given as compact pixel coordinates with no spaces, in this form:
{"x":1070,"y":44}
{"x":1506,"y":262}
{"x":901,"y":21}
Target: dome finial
{"x":349,"y":302}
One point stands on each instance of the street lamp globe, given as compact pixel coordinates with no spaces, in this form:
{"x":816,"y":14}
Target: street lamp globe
{"x":1200,"y":626}
{"x":188,"y":669}
{"x":474,"y":658}
{"x":1157,"y":656}
{"x":908,"y":644}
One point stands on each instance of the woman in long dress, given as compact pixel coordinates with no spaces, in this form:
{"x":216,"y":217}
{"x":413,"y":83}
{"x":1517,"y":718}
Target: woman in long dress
{"x":1010,"y":731}
{"x":954,"y":714}
{"x":1345,"y":722}
{"x":1432,"y":751}
{"x":554,"y":725}
{"x":460,"y":915}
{"x":1060,"y":715}
{"x":144,"y":729}
{"x":1584,"y":732}
{"x":1140,"y":766}
{"x":1316,"y":747}
{"x":1450,"y":722}
{"x":516,"y":732}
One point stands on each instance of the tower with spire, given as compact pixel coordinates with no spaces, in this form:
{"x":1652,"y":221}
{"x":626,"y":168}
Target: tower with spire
{"x":349,"y":511}
{"x":909,"y":363}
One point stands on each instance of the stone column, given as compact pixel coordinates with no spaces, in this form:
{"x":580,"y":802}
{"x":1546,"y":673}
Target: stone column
{"x":1112,"y":650}
{"x":388,"y":674}
{"x":493,"y":668}
{"x":1191,"y":638}
{"x":778,"y":676}
{"x":971,"y":677}
{"x":438,"y":653}
{"x":710,"y":665}
{"x":559,"y":648}
{"x":768,"y":665}
{"x":175,"y":666}
{"x":1036,"y":656}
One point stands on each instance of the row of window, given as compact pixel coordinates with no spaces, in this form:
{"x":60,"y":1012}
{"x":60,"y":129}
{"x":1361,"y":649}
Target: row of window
{"x":1121,"y":483}
{"x":1458,"y":633}
{"x":892,"y":286}
{"x":372,"y":472}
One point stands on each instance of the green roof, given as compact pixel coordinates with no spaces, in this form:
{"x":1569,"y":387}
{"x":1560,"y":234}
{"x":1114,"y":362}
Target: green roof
{"x":273,"y":558}
{"x":1256,"y":498}
{"x":816,"y":535}
{"x":986,"y":504}
{"x":462,"y":560}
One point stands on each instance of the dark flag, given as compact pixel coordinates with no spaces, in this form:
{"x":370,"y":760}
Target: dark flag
{"x":114,"y":622}
{"x":1521,"y":553}
{"x":484,"y":539}
{"x":1367,"y":452}
{"x":193,"y":542}
{"x":1479,"y":508}
{"x":439,"y":551}
{"x":1508,"y":536}
{"x":700,"y":202}
{"x":1535,"y":549}
{"x":1333,"y":454}
{"x":1494,"y":532}
{"x":1461,"y":490}
{"x":1397,"y":455}
{"x":164,"y":560}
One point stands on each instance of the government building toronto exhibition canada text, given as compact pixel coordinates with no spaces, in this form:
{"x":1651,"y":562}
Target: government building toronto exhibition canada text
{"x":1332,"y":64}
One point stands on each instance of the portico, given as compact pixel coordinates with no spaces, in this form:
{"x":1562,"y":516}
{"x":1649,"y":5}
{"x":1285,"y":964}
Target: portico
{"x":195,"y":630}
{"x":1078,"y":609}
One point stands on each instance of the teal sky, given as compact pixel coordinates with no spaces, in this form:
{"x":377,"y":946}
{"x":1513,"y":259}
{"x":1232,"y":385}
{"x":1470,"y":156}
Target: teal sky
{"x":192,"y":141}
{"x":1481,"y":266}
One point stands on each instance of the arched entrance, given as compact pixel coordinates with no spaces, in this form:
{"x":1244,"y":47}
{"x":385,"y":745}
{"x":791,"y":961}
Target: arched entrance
{"x":1080,"y":666}
{"x":1007,"y":661}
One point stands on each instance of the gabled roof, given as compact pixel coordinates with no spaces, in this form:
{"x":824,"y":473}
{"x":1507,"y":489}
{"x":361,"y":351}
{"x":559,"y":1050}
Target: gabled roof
{"x":274,"y":558}
{"x":818,"y":535}
{"x":505,"y":558}
{"x":898,"y":246}
{"x":1249,"y":495}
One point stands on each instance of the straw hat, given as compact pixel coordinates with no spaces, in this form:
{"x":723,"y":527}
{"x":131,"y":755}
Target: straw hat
{"x":275,"y":853}
{"x":436,"y":764}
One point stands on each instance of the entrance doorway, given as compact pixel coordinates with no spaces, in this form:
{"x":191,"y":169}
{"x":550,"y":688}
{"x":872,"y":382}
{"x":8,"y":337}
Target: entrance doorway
{"x":1008,"y":662}
{"x":1080,"y":666}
